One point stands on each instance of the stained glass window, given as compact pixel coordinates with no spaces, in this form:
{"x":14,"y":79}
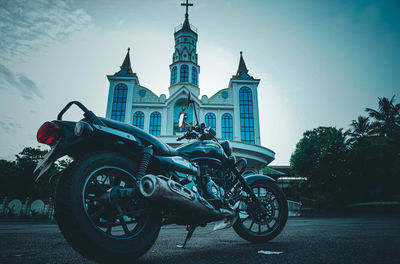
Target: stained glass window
{"x":227,"y":129}
{"x":184,"y":73}
{"x":194,"y":75}
{"x":246,"y":115}
{"x":138,"y":119}
{"x":173,"y":75}
{"x":155,"y":123}
{"x":119,"y":102}
{"x":210,"y":120}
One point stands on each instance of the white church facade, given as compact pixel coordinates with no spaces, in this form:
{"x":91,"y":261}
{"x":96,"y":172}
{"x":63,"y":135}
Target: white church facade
{"x":233,"y":111}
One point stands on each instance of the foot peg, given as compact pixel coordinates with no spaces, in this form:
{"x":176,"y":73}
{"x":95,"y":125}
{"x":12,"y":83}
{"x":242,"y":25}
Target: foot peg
{"x":190,"y":230}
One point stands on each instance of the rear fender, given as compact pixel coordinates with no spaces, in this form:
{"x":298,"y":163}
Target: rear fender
{"x":101,"y":139}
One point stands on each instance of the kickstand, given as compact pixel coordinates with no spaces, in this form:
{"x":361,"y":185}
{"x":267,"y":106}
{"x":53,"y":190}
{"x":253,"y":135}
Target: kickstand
{"x":190,"y":230}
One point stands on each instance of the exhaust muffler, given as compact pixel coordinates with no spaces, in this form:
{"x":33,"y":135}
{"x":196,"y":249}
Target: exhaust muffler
{"x":171,"y":194}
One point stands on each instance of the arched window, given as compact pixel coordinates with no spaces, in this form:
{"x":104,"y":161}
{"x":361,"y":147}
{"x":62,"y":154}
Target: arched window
{"x":119,"y":102}
{"x":246,"y":115}
{"x":194,"y":75}
{"x":138,"y":119}
{"x":155,"y":123}
{"x":210,"y":120}
{"x":227,"y":130}
{"x":184,"y":73}
{"x":173,"y":75}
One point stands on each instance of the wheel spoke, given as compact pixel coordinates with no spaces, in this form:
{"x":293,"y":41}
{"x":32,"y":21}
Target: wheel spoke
{"x":124,"y":226}
{"x":98,"y":213}
{"x":116,"y":218}
{"x":251,"y":225}
{"x":259,"y":228}
{"x":110,"y":222}
{"x":242,"y":220}
{"x":93,"y":198}
{"x":99,"y":185}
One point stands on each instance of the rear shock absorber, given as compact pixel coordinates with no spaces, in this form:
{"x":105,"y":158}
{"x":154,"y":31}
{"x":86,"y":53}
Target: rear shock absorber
{"x":147,"y":154}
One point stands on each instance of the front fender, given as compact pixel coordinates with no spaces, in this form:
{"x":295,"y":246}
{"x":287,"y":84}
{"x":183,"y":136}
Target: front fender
{"x":252,"y":178}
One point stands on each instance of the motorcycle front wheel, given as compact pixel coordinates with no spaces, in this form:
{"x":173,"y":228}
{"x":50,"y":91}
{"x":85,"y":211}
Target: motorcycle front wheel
{"x":257,"y":226}
{"x":95,"y":223}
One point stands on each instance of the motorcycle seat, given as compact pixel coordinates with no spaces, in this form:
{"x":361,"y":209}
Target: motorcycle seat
{"x":159,"y":147}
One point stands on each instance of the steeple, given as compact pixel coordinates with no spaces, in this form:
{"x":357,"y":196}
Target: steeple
{"x":126,"y":69}
{"x":242,"y":66}
{"x":242,"y":72}
{"x":184,"y":67}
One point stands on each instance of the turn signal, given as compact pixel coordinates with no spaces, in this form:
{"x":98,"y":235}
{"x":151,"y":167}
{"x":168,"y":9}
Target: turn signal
{"x":48,"y":133}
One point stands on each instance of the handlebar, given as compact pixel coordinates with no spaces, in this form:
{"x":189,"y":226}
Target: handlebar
{"x":199,"y":132}
{"x":181,"y":137}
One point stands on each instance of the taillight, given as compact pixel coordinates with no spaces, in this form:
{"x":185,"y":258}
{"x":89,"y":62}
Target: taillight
{"x":48,"y":133}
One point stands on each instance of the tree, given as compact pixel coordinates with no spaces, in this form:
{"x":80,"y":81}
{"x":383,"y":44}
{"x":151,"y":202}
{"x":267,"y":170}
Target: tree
{"x":321,"y":157}
{"x":359,"y":130}
{"x":386,"y":117}
{"x":16,"y":178}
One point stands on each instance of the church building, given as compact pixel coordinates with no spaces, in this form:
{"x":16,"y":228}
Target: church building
{"x":233,"y":111}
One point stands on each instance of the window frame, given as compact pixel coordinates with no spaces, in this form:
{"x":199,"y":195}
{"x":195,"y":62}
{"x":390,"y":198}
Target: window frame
{"x":138,"y":119}
{"x":118,"y":107}
{"x":174,"y":75}
{"x":227,"y":126}
{"x":184,"y":74}
{"x":155,"y":123}
{"x":246,"y":115}
{"x":210,"y":117}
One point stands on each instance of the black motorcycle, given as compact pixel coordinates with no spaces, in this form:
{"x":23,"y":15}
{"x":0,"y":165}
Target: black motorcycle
{"x":124,"y":184}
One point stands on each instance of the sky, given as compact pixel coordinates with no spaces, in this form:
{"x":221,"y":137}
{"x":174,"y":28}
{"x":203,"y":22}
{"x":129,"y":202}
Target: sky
{"x":321,"y":63}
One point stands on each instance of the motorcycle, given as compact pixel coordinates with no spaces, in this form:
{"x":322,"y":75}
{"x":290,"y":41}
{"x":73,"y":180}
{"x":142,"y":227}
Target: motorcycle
{"x":124,"y":184}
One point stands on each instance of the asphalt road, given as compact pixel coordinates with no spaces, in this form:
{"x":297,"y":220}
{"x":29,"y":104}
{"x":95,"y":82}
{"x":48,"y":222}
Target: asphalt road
{"x":304,"y":240}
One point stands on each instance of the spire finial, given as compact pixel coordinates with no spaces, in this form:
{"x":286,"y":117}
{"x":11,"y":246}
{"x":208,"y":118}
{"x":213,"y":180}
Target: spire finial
{"x":129,"y":49}
{"x":242,"y":66}
{"x":187,"y":4}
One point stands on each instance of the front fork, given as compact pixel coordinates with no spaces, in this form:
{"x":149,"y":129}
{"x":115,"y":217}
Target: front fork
{"x":245,"y":186}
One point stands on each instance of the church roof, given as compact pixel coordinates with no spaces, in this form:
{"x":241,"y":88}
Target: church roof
{"x":186,"y":27}
{"x":242,"y":72}
{"x":126,"y":69}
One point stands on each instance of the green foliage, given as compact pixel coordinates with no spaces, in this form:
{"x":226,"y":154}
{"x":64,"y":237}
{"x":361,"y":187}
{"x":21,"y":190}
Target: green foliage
{"x":356,"y":166}
{"x":321,"y":157}
{"x":16,"y":179}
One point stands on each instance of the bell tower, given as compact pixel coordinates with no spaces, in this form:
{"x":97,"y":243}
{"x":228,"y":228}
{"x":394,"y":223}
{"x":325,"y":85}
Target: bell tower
{"x":184,"y":68}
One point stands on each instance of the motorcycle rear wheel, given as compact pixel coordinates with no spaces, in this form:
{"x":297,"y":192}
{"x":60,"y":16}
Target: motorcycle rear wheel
{"x":257,"y":227}
{"x":98,"y":229}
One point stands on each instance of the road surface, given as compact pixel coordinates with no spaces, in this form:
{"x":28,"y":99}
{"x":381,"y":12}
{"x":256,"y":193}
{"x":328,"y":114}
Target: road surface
{"x":304,"y":240}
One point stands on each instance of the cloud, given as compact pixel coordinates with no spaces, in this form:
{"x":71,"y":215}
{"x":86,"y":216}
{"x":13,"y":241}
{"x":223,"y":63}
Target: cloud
{"x":19,"y":81}
{"x":9,"y":127}
{"x":26,"y":25}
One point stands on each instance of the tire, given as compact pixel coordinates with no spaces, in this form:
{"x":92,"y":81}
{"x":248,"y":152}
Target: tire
{"x":80,"y":214}
{"x":274,"y":201}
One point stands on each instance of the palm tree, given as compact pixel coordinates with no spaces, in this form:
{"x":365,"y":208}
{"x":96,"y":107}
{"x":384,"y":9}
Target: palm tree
{"x":360,"y":128}
{"x":386,"y":117}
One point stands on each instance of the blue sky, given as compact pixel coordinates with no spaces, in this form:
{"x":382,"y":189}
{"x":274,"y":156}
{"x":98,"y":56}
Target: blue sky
{"x":321,"y":63}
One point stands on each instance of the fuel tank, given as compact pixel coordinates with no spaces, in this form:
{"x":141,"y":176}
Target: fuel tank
{"x":203,"y":149}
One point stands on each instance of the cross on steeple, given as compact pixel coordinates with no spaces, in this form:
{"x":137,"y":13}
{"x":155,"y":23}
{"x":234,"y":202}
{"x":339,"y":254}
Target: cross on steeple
{"x":187,"y":4}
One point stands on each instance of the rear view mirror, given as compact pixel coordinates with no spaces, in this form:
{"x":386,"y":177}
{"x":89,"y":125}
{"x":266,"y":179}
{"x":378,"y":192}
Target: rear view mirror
{"x":182,"y":118}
